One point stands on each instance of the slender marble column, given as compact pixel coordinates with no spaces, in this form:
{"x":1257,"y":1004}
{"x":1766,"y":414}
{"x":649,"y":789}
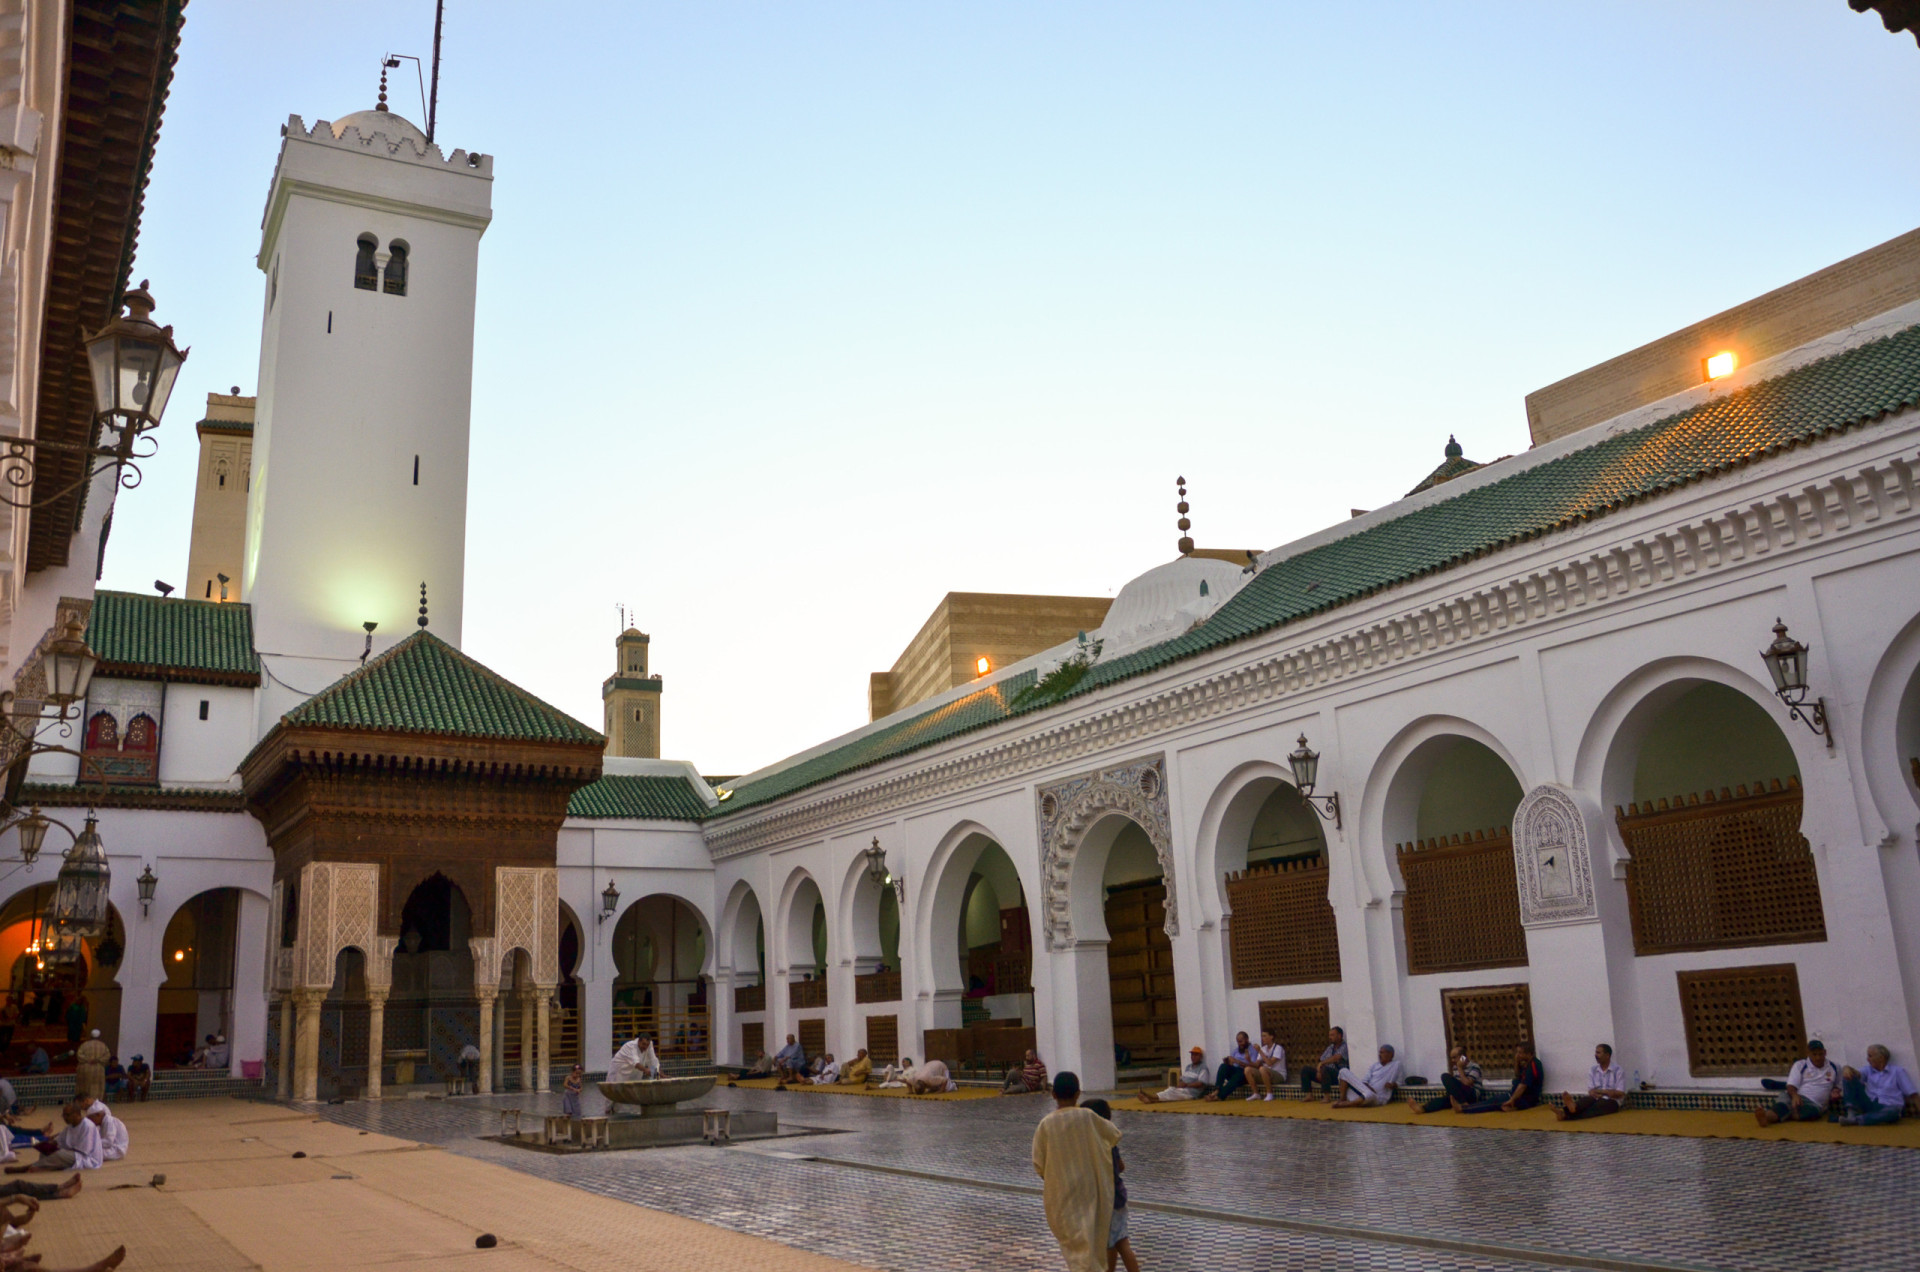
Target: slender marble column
{"x":376,"y":1040}
{"x":307,"y":1054}
{"x":499,"y":1053}
{"x":484,"y":1037}
{"x":543,"y":1063}
{"x":526,"y":1040}
{"x":283,"y":1076}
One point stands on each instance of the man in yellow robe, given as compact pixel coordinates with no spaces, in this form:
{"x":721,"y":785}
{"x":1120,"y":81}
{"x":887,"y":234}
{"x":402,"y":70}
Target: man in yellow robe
{"x":1073,"y":1152}
{"x":857,"y":1070}
{"x":90,"y":1074}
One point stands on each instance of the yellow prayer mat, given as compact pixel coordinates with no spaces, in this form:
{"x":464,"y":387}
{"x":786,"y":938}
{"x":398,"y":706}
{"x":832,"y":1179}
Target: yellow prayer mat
{"x":1699,"y":1125}
{"x":842,"y":1088}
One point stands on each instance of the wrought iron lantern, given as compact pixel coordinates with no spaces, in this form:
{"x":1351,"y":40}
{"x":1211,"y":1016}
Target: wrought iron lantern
{"x":80,"y":906}
{"x":877,"y":864}
{"x":33,"y":833}
{"x":1786,"y":661}
{"x":609,"y":902}
{"x":134,"y":364}
{"x":1305,"y":763}
{"x":68,"y":664}
{"x":147,"y":882}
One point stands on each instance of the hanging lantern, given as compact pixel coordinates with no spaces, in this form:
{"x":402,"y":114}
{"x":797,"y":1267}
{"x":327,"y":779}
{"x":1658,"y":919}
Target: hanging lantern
{"x":80,"y":907}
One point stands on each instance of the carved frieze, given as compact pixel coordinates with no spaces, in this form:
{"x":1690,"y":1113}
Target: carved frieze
{"x":1068,"y":810}
{"x":527,"y":917}
{"x":339,"y":902}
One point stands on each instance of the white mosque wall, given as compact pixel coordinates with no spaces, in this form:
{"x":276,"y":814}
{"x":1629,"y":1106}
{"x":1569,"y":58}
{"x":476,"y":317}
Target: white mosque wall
{"x":205,"y":752}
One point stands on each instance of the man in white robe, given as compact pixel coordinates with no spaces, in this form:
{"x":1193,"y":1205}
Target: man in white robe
{"x":829,"y":1072}
{"x":1073,"y":1154}
{"x":113,"y":1132}
{"x":634,"y":1061}
{"x":929,"y":1079}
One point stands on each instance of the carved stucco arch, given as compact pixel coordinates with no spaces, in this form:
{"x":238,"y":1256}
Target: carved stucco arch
{"x":1069,"y":809}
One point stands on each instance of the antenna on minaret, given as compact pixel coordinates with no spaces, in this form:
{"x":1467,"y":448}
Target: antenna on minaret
{"x":1186,"y":540}
{"x":433,"y":102}
{"x":622,"y":607}
{"x":422,"y":620}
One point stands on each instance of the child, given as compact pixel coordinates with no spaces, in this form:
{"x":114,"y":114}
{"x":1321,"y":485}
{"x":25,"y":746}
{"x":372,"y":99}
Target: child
{"x":570,"y":1092}
{"x":1119,"y":1245}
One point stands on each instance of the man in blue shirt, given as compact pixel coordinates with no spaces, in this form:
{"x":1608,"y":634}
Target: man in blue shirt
{"x":1880,"y":1093}
{"x":790,"y":1062}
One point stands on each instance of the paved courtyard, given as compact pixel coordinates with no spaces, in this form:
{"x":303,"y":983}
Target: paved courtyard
{"x":921,"y":1186}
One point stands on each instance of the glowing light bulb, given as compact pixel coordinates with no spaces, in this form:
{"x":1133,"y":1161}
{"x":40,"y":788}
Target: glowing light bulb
{"x":179,"y":956}
{"x":982,"y":665}
{"x":1721,"y":365}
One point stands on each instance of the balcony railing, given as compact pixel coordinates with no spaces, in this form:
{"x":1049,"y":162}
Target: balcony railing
{"x":877,"y":987}
{"x":678,"y":1033}
{"x":749,"y":997}
{"x":811,"y":993}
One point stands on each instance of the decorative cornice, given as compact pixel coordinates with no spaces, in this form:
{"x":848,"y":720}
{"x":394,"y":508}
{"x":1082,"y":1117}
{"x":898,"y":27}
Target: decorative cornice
{"x":1648,"y":563}
{"x":93,"y":795}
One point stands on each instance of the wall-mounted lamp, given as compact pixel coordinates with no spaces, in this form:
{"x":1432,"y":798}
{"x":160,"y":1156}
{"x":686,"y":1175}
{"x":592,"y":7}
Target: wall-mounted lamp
{"x":877,"y":864}
{"x":609,"y":902}
{"x":982,"y":665}
{"x":1786,"y":660}
{"x":1305,"y":764}
{"x":368,"y":647}
{"x":1719,"y":366}
{"x":147,"y":881}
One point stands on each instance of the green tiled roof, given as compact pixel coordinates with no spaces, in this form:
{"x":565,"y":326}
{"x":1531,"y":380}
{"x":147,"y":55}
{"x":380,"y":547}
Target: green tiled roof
{"x":1844,"y":391}
{"x":654,"y":796}
{"x":424,"y":685}
{"x":188,"y":638}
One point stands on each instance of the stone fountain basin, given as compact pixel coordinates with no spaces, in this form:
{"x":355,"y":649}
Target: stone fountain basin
{"x":656,"y":1097}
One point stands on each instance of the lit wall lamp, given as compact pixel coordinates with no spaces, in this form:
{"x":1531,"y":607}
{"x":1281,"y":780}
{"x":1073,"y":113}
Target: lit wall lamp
{"x":1786,"y":659}
{"x":982,"y":665}
{"x":609,"y":902}
{"x":1305,"y":763}
{"x":147,"y":882}
{"x":1719,"y":366}
{"x":877,"y":864}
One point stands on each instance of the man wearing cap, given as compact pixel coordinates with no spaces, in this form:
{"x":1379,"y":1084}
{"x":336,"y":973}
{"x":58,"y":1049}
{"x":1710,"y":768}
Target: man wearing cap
{"x":1194,"y":1082}
{"x":1810,"y":1085}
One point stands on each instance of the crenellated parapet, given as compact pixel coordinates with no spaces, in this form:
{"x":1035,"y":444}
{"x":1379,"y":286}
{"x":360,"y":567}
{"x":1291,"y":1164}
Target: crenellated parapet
{"x":402,"y":143}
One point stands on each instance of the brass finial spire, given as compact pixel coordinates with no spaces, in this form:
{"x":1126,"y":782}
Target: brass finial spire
{"x":381,"y":105}
{"x":422,"y":620}
{"x":1186,"y":540}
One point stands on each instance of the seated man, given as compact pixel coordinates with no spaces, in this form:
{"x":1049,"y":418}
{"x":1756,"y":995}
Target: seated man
{"x":1270,"y":1062}
{"x":39,"y":1061}
{"x":1464,"y":1081}
{"x":139,"y":1079}
{"x":1232,"y":1073}
{"x":1194,"y":1081}
{"x":219,"y":1054}
{"x":1378,"y":1087}
{"x":895,"y":1075}
{"x":113,"y":1132}
{"x":1810,"y":1087}
{"x":1332,"y":1060}
{"x":1606,"y":1090}
{"x":762,"y":1066}
{"x":1031,"y":1076}
{"x":116,"y":1076}
{"x":1528,"y":1079}
{"x":75,"y":1148}
{"x":857,"y":1070}
{"x":790,"y":1062}
{"x":1880,"y":1093}
{"x":828,"y":1071}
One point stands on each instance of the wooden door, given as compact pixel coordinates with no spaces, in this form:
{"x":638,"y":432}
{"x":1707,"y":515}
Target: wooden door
{"x":1140,"y":967}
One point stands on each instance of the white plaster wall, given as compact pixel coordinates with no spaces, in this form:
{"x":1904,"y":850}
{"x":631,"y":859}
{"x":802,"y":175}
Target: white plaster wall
{"x":196,"y":752}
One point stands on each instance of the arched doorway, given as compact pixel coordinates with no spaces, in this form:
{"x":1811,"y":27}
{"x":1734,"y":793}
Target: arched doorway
{"x":431,"y":1010}
{"x":747,"y":953}
{"x":1119,"y":892}
{"x":981,"y":952}
{"x":42,"y":992}
{"x":1272,"y":859}
{"x":659,"y":987}
{"x":566,"y":1037}
{"x":345,"y":1053}
{"x":198,"y":952}
{"x":1449,"y":816}
{"x":806,"y":951}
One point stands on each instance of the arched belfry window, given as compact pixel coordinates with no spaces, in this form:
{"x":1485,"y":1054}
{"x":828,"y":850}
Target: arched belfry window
{"x":366,"y":275}
{"x":397,"y":268}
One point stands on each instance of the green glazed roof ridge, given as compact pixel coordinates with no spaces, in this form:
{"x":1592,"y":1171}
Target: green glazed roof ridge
{"x":424,"y":685}
{"x":648,"y":796}
{"x":1828,"y":395}
{"x":134,"y":629}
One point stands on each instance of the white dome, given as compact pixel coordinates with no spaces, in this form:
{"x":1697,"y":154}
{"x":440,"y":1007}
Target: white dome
{"x":370,"y":122}
{"x":1166,"y":601}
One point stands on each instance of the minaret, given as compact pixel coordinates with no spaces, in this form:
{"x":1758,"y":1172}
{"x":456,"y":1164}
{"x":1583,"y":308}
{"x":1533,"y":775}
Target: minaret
{"x":220,"y":499}
{"x":632,"y":700}
{"x":370,"y":248}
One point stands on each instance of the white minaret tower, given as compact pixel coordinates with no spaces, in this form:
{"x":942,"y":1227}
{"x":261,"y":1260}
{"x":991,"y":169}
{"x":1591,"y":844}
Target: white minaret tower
{"x":370,"y":247}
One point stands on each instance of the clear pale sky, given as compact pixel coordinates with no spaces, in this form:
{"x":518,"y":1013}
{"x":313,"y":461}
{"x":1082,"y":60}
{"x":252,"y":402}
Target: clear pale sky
{"x":794,"y":317}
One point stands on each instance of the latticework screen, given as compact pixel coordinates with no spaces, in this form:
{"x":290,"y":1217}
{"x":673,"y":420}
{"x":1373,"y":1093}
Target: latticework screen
{"x":1462,"y":906}
{"x":753,"y":1041}
{"x":813,"y":1035}
{"x":877,"y":987}
{"x":1714,"y":872}
{"x":812,"y":993}
{"x":750,"y":998}
{"x":1742,"y":1020}
{"x":1282,"y":931}
{"x":1489,"y":1021}
{"x":1300,"y":1025}
{"x":883,"y":1039}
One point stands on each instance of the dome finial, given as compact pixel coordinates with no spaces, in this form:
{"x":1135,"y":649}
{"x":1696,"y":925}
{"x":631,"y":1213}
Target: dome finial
{"x":1453,"y":448}
{"x":385,"y":62}
{"x":422,"y":620}
{"x":1186,"y":541}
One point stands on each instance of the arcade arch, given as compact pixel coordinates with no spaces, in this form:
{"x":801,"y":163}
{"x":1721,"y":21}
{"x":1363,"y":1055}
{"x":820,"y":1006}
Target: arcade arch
{"x":873,"y":929}
{"x":199,"y":955}
{"x":45,"y":990}
{"x":981,"y":934}
{"x":660,"y":947}
{"x":1271,"y":875}
{"x":1117,"y":890}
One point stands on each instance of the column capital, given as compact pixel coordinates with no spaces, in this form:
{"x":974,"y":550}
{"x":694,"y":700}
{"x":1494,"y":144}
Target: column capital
{"x":377,"y":994}
{"x":485,"y":993}
{"x":304,"y":995}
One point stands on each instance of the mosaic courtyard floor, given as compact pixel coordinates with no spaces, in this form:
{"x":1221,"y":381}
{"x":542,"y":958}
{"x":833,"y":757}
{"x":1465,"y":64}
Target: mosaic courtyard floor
{"x":929,"y":1186}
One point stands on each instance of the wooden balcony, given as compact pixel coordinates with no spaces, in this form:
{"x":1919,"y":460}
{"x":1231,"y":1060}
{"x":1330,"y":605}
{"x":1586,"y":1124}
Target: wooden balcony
{"x":803,"y":994}
{"x":750,"y":998}
{"x":877,"y":987}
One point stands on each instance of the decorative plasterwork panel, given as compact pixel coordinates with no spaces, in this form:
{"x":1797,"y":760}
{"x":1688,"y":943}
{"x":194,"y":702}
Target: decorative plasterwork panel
{"x":526,"y":916}
{"x":1552,"y":859}
{"x":486,"y":965}
{"x":339,"y":903}
{"x":125,"y":699}
{"x":1676,"y":554}
{"x":1067,"y":810}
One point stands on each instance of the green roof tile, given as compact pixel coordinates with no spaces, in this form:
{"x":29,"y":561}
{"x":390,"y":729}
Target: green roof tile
{"x":207,"y":638}
{"x":1849,"y":389}
{"x":653,"y":796}
{"x":424,"y":685}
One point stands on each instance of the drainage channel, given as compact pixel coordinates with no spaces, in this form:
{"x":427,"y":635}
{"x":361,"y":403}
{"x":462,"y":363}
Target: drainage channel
{"x":1307,"y":1227}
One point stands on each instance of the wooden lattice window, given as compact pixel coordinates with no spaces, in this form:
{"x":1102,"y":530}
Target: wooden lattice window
{"x":813,"y":1035}
{"x":1282,"y":931}
{"x":1462,"y":906}
{"x":883,"y":1039}
{"x":877,"y":987}
{"x":811,"y":993}
{"x":1489,"y":1021}
{"x":1300,"y":1025}
{"x":750,"y":998}
{"x":1742,"y":1021}
{"x":753,"y":1041}
{"x":1714,"y":872}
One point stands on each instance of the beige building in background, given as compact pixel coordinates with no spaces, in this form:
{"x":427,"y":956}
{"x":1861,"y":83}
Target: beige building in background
{"x":631,"y":700}
{"x":965,"y":627}
{"x":220,"y":499}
